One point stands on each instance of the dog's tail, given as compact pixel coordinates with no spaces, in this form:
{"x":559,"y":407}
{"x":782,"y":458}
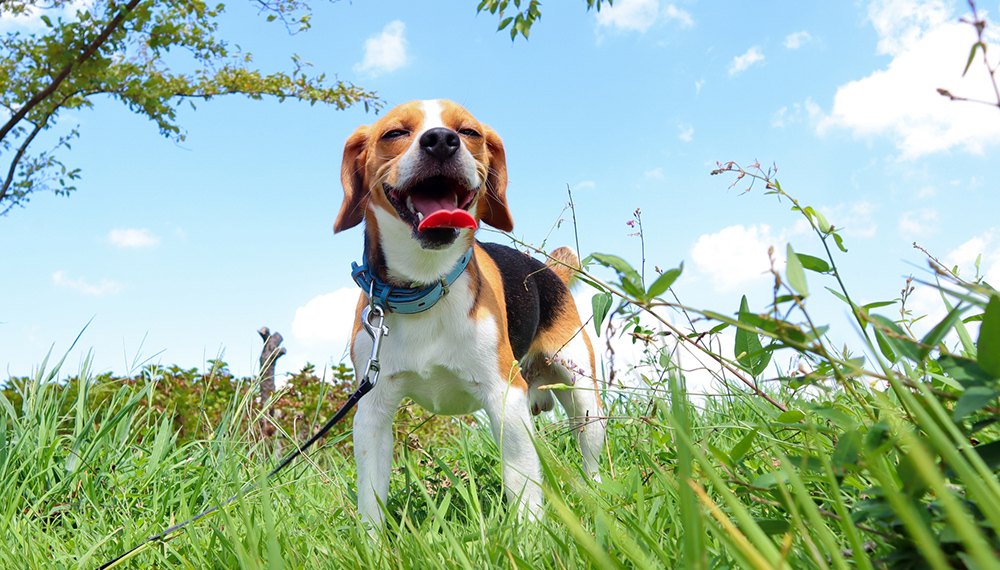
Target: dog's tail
{"x":565,"y":264}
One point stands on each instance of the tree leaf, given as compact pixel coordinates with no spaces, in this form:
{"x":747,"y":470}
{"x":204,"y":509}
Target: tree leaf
{"x":601,"y":303}
{"x":796,"y":276}
{"x":988,"y":347}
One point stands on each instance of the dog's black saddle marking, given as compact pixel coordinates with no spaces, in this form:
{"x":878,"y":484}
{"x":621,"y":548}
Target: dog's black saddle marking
{"x":534,"y":294}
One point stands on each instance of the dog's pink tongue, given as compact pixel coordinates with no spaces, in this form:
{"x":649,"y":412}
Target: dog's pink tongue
{"x":442,"y":213}
{"x":445,"y":219}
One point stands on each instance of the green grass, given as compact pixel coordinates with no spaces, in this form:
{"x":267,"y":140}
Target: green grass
{"x":87,"y":483}
{"x":884,"y":460}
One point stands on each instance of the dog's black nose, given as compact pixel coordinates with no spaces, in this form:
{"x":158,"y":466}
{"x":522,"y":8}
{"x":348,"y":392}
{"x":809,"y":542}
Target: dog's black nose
{"x":440,"y":143}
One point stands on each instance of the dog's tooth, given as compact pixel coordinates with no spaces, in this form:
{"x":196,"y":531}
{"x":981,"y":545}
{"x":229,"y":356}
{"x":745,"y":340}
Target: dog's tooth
{"x":409,"y":204}
{"x":420,"y":217}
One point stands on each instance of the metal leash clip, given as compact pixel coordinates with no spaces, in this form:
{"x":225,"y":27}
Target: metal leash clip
{"x":377,"y":331}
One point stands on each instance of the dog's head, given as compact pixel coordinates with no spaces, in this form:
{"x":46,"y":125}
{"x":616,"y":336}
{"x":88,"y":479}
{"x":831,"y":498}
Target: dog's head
{"x":429,"y":170}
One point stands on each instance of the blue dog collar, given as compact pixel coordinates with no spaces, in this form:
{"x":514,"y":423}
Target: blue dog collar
{"x":405,"y":300}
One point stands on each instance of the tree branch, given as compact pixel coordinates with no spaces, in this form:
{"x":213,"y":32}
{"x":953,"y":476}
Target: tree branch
{"x":90,"y":50}
{"x":17,"y":159}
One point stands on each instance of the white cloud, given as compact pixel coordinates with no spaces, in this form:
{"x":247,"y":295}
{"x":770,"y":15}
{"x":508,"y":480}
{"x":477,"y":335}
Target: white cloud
{"x":630,"y":15}
{"x":790,"y":115}
{"x":901,"y":23}
{"x":673,"y":13}
{"x":927,"y":300}
{"x":985,"y":247}
{"x":686,"y":134}
{"x":742,"y":62}
{"x":654,"y":173}
{"x":106,"y":287}
{"x":133,"y":238}
{"x":797,"y":40}
{"x":326,"y":319}
{"x":735,"y":256}
{"x":918,"y":224}
{"x":855,"y":220}
{"x":586,"y":185}
{"x":698,"y":85}
{"x":385,"y":52}
{"x":929,"y":48}
{"x":640,"y":15}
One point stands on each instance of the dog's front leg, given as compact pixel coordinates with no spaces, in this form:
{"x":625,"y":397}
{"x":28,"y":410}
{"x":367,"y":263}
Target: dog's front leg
{"x":373,"y":451}
{"x":510,"y":421}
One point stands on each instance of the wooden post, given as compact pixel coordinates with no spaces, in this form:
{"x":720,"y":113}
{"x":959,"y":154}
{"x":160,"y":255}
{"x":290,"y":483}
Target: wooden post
{"x":268,"y":358}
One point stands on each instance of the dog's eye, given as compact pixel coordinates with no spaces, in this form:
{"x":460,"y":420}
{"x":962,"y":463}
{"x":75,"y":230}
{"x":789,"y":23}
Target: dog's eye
{"x":395,"y":134}
{"x":469,"y":133}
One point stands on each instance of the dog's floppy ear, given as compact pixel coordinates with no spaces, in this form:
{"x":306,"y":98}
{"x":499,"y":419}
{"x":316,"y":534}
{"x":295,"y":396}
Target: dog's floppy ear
{"x":495,"y":210}
{"x":352,"y":176}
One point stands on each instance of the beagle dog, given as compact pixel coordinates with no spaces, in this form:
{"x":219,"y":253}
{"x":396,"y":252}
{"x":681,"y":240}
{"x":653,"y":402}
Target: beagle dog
{"x":500,"y":327}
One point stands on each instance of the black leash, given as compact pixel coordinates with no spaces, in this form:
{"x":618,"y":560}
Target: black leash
{"x":377,"y":331}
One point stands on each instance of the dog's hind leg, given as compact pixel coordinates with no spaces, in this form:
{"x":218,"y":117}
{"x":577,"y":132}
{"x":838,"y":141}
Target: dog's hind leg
{"x":572,"y":366}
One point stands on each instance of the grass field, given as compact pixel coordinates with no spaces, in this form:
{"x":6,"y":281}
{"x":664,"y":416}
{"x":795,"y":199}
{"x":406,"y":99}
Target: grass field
{"x":884,"y":455}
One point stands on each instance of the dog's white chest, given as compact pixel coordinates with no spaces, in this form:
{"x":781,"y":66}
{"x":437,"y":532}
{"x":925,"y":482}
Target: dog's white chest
{"x":442,"y":359}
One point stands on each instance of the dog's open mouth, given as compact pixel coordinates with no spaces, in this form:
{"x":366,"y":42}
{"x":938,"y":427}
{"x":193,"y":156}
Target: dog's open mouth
{"x":435,"y":202}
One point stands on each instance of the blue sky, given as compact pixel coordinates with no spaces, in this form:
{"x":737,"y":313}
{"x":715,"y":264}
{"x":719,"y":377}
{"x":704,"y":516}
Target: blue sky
{"x":177,"y":253}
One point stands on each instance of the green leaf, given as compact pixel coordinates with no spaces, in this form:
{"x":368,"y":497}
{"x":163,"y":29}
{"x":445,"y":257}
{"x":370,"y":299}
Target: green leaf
{"x":878,"y":438}
{"x":601,"y":303}
{"x":48,"y":22}
{"x":840,"y":242}
{"x":720,"y":455}
{"x":824,"y":226}
{"x":990,"y":452}
{"x":966,"y":371}
{"x":896,"y":338}
{"x":936,"y":334}
{"x":504,"y":23}
{"x":814,"y":263}
{"x":630,"y":280}
{"x":972,"y":55}
{"x":988,"y":347}
{"x":877,"y":304}
{"x":973,"y":400}
{"x":848,"y":449}
{"x":770,"y":479}
{"x":796,"y":276}
{"x":743,"y":446}
{"x":663,"y":282}
{"x":791,"y":417}
{"x":621,"y":266}
{"x":773,"y":527}
{"x":885,"y":347}
{"x":747,"y":348}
